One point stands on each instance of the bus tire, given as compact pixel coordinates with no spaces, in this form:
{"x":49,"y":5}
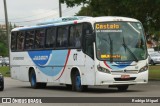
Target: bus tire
{"x":69,"y":86}
{"x":122,"y":88}
{"x":2,"y":85}
{"x":33,"y":80}
{"x":42,"y":85}
{"x":76,"y":83}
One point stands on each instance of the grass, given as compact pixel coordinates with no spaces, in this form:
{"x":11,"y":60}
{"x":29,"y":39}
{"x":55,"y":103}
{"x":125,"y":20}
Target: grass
{"x":154,"y":72}
{"x":5,"y":71}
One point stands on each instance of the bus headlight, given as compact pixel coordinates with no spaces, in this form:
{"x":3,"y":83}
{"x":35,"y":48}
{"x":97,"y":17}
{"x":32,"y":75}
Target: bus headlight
{"x":145,"y":68}
{"x":101,"y":69}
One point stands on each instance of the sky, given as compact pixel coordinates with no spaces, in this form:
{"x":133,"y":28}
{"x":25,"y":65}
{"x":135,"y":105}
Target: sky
{"x":31,"y":12}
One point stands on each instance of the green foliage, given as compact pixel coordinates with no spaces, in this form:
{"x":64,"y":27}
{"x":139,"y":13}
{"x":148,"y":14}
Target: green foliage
{"x":3,"y":44}
{"x":147,"y":11}
{"x":5,"y":71}
{"x":154,"y":72}
{"x":4,"y":41}
{"x":3,"y":50}
{"x":72,"y":3}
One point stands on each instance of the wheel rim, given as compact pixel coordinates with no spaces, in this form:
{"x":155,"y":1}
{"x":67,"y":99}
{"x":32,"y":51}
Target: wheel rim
{"x":78,"y":82}
{"x":33,"y":79}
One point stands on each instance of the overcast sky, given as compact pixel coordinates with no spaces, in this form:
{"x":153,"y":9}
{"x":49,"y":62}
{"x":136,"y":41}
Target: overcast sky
{"x":30,"y":12}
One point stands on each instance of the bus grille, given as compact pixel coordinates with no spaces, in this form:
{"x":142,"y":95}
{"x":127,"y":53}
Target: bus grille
{"x":126,"y":79}
{"x":125,"y":71}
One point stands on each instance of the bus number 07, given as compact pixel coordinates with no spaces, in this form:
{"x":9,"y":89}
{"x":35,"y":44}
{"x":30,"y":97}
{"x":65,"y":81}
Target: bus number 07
{"x":75,"y":57}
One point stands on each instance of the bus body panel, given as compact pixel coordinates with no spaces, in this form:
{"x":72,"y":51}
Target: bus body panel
{"x":46,"y":71}
{"x":132,"y":70}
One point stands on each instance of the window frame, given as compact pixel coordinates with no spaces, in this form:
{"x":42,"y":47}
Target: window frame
{"x":22,"y":31}
{"x":81,"y":39}
{"x":33,"y":39}
{"x":58,"y":47}
{"x":54,"y":45}
{"x":15,"y":41}
{"x":44,"y":46}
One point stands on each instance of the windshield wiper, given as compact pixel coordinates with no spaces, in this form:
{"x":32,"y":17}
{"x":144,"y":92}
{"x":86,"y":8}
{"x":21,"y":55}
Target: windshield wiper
{"x":126,"y":47}
{"x":111,"y":47}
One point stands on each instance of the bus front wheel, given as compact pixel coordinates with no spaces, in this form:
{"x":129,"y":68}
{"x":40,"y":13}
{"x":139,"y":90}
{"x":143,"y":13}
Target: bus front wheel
{"x":33,"y":81}
{"x":76,"y":83}
{"x":123,"y":88}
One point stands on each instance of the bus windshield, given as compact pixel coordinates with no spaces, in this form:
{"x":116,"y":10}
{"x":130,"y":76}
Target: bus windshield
{"x":120,"y":41}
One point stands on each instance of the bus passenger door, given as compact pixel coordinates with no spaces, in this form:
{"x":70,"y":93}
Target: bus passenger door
{"x":88,"y":49}
{"x":89,"y":64}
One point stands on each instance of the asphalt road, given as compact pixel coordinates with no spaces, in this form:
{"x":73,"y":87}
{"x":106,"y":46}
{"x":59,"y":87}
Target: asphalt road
{"x":14,"y":88}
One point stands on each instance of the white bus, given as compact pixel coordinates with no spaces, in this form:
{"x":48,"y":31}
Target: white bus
{"x":81,"y":51}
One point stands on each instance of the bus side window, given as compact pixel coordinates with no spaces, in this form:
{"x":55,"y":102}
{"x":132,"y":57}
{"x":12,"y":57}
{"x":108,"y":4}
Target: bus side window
{"x":62,"y":38}
{"x":13,"y":41}
{"x":40,"y":38}
{"x":88,"y":45}
{"x":75,"y":36}
{"x":50,"y":37}
{"x":20,"y":41}
{"x":29,"y":43}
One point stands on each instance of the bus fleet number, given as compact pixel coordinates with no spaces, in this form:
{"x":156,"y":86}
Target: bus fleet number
{"x":75,"y":57}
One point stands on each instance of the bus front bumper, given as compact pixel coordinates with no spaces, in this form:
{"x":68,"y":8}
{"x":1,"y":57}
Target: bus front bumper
{"x":110,"y":79}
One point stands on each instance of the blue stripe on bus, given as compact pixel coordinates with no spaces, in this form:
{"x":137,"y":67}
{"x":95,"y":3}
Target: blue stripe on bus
{"x":40,"y":57}
{"x":49,"y":62}
{"x":123,"y":64}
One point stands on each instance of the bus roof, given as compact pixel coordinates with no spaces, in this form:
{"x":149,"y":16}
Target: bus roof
{"x":78,"y":19}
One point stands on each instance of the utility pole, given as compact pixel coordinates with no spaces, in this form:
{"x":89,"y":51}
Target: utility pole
{"x":7,"y":27}
{"x":6,"y":18}
{"x":60,"y":9}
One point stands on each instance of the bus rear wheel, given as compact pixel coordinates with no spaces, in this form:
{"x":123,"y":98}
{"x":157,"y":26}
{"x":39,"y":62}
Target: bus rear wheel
{"x":76,"y":83}
{"x":122,"y":87}
{"x":33,"y":81}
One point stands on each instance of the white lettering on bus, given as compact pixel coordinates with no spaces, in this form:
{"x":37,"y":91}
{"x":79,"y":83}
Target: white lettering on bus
{"x":40,"y":58}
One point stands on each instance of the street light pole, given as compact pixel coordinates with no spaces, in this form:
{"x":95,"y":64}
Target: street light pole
{"x":60,"y":10}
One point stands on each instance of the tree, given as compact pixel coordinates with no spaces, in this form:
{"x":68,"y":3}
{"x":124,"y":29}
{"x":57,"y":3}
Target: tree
{"x":14,"y":26}
{"x":3,"y":44}
{"x":147,"y":11}
{"x":4,"y":40}
{"x":72,"y":3}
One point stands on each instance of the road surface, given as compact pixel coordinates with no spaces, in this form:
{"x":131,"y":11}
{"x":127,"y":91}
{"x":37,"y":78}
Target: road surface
{"x":14,"y":88}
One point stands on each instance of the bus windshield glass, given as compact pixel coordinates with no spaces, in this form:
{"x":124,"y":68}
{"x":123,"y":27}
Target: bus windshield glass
{"x":120,"y":41}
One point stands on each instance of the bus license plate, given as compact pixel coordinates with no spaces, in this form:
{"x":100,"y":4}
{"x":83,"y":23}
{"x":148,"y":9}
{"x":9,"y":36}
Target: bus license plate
{"x":125,"y":76}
